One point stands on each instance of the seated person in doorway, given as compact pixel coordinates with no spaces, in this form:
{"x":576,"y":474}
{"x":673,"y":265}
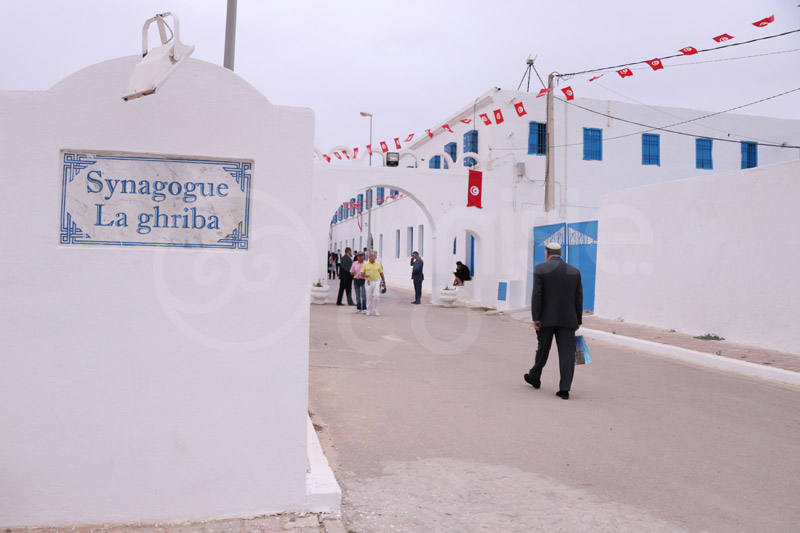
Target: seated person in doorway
{"x":462,"y":273}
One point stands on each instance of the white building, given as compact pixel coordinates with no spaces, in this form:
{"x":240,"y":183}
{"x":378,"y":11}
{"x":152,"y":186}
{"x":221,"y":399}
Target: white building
{"x":599,"y":147}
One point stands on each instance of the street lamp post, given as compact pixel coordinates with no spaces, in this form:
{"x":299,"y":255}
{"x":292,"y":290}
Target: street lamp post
{"x":369,"y":211}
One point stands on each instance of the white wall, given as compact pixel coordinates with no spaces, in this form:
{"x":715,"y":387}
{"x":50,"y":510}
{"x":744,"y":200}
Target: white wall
{"x":717,"y":255}
{"x":145,"y":384}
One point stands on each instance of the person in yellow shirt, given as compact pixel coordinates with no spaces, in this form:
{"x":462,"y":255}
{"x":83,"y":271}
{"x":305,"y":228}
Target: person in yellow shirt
{"x":373,"y":273}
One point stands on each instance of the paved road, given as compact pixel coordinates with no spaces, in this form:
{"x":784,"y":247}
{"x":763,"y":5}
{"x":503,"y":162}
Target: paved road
{"x":429,"y":427}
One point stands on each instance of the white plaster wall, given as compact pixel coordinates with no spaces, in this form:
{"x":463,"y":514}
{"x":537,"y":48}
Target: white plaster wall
{"x":146,"y":384}
{"x":579,"y":183}
{"x":716,"y":254}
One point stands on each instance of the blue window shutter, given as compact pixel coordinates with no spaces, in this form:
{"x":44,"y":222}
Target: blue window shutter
{"x":451,"y":149}
{"x":537,"y":138}
{"x":592,"y":144}
{"x":380,"y":195}
{"x":749,"y":155}
{"x":470,"y":145}
{"x":703,"y":149}
{"x":435,"y":162}
{"x":360,"y":203}
{"x":352,"y":207}
{"x":650,"y":149}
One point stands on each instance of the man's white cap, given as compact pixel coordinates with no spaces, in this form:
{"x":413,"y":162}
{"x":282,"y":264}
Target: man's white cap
{"x":554,"y":247}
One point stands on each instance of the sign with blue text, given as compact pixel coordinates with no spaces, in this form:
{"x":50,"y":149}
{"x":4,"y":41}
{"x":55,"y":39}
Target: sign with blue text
{"x":125,"y":199}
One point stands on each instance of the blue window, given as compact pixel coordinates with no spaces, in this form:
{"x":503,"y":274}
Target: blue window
{"x":454,"y":245}
{"x":592,"y":144}
{"x":369,"y":199}
{"x":360,"y":203}
{"x":537,"y":138}
{"x":435,"y":162}
{"x":352,"y":207}
{"x":450,"y":149}
{"x":345,"y":211}
{"x":341,"y":215}
{"x":749,"y":155}
{"x":703,"y":151}
{"x":650,"y":149}
{"x":381,"y":195}
{"x":470,"y":145}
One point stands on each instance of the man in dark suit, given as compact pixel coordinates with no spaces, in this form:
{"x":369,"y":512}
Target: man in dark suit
{"x":345,"y":278}
{"x":417,"y":276}
{"x":557,"y":310}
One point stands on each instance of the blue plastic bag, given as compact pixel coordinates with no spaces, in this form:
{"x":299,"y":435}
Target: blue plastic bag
{"x":582,"y":356}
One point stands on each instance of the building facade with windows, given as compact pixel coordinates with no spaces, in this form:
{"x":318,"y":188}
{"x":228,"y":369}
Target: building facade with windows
{"x":598,"y":147}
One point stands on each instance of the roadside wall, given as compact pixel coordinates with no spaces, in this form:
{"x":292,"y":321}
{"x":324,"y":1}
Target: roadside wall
{"x":143,"y":384}
{"x":706,"y":255}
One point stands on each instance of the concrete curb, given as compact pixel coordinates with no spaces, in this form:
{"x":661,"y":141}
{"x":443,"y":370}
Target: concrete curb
{"x":700,"y":358}
{"x":323,"y":494}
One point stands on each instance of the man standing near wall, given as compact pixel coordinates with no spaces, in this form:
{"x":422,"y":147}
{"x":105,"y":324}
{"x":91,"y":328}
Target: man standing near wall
{"x":417,"y":276}
{"x":557,"y":310}
{"x":373,"y":273}
{"x":345,"y":278}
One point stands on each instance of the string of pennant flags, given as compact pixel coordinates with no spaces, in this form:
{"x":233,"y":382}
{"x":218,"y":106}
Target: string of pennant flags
{"x":657,"y":63}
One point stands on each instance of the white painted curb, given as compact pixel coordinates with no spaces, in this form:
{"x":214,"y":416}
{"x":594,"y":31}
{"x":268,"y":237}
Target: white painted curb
{"x":700,"y":358}
{"x":323,"y":494}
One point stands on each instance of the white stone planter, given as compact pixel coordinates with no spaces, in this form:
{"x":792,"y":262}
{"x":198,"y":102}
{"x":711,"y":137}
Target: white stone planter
{"x":448,"y":297}
{"x":319,"y":294}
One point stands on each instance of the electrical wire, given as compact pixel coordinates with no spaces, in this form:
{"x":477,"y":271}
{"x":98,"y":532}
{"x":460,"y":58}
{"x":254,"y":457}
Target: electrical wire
{"x":678,"y":55}
{"x":664,"y":128}
{"x":690,"y":63}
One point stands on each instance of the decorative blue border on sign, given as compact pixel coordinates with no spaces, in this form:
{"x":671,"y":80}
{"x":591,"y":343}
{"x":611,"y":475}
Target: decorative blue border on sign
{"x":74,"y":162}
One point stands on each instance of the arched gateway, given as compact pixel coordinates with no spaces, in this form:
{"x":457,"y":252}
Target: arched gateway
{"x":440,"y":194}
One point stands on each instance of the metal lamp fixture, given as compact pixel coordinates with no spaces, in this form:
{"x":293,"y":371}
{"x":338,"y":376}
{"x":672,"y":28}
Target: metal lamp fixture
{"x":160,"y":62}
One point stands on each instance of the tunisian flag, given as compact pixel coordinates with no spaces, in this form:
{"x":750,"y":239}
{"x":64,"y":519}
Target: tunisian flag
{"x":474,"y":189}
{"x":498,"y":116}
{"x":520,"y":107}
{"x":384,"y":147}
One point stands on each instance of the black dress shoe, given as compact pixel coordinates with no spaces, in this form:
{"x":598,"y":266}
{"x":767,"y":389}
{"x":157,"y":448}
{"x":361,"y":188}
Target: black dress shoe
{"x":563,"y":394}
{"x":534,"y":382}
{"x":337,"y":303}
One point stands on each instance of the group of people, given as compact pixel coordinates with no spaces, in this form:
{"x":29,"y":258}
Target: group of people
{"x":366,"y":277}
{"x":556,"y":303}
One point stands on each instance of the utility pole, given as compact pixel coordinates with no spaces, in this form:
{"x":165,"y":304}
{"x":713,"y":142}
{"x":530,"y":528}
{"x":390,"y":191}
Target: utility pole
{"x":230,"y":35}
{"x":549,"y":175}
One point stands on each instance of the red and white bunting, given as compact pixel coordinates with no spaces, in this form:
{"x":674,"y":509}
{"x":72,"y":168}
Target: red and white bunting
{"x":408,"y":139}
{"x":466,"y":120}
{"x":384,"y":147}
{"x":327,"y":157}
{"x":542,"y":93}
{"x":656,"y":64}
{"x":498,"y":116}
{"x":520,"y":107}
{"x":689,"y":50}
{"x":346,"y":154}
{"x":447,"y":127}
{"x":485,"y":118}
{"x":369,"y":149}
{"x":568,"y":93}
{"x":764,"y":22}
{"x":722,"y":38}
{"x":430,"y":133}
{"x":596,"y":77}
{"x":338,"y":155}
{"x":355,"y":152}
{"x":625,"y":72}
{"x":397,"y":143}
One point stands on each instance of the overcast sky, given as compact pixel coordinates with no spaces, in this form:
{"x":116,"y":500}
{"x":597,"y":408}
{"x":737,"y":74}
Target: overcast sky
{"x":413,"y":63}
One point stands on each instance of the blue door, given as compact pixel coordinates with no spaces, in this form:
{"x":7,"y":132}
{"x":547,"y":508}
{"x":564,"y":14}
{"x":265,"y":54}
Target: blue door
{"x":582,"y":254}
{"x":544,"y":235}
{"x":578,"y":248}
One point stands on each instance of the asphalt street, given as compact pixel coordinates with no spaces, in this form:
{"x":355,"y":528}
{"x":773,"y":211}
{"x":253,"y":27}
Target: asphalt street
{"x":429,"y":426}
